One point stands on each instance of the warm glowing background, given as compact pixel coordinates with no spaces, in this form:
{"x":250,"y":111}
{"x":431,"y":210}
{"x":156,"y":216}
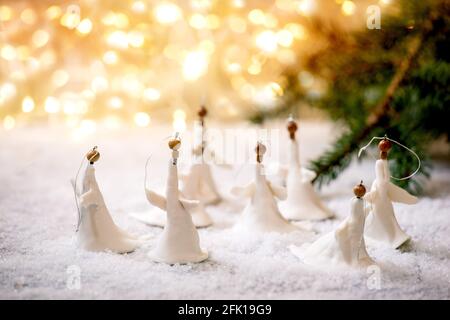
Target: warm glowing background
{"x":86,"y":64}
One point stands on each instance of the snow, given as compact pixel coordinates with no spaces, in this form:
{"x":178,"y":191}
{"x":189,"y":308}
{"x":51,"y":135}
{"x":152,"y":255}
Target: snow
{"x":38,"y":217}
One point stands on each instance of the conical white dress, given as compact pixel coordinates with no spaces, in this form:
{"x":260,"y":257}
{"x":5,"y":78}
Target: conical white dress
{"x":342,"y":247}
{"x":179,"y":241}
{"x":302,"y":202}
{"x":261,"y":213}
{"x":381,"y":223}
{"x":97,"y":230}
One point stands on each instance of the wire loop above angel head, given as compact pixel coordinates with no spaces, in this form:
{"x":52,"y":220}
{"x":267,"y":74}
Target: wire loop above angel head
{"x":384,"y":146}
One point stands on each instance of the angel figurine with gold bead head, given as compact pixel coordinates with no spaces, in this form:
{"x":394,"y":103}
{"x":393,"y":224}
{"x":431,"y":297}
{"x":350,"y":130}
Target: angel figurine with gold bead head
{"x":197,"y":184}
{"x":96,"y":229}
{"x":179,"y":241}
{"x":382,"y":224}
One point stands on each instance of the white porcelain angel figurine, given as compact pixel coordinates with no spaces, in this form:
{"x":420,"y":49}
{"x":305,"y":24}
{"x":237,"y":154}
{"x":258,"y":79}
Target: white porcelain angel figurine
{"x":381,"y":223}
{"x":343,"y":247}
{"x":302,"y":202}
{"x":96,"y":230}
{"x":198,"y":182}
{"x":261,"y":213}
{"x":179,"y":241}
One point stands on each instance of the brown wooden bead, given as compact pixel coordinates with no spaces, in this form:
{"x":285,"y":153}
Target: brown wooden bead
{"x":174,"y":144}
{"x":260,"y":151}
{"x":202,"y":112}
{"x":385,"y":145}
{"x":292,"y":128}
{"x":359,"y":190}
{"x":93,"y":155}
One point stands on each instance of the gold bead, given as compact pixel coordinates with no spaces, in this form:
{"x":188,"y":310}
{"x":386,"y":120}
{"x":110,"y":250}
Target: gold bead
{"x":93,"y":155}
{"x":174,"y":144}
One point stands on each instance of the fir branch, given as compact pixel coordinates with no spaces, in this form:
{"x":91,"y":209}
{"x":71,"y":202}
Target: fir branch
{"x":337,"y":159}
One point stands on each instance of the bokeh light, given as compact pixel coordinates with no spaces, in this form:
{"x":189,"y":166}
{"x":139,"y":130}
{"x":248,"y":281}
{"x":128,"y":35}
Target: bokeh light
{"x":116,"y":63}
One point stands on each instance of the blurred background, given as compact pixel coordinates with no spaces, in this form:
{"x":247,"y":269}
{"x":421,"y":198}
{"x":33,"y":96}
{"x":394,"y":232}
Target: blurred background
{"x":94,"y":65}
{"x":89,"y":63}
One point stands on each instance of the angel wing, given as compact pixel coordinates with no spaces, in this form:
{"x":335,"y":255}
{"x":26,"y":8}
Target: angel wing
{"x":246,"y":191}
{"x":278,"y":191}
{"x":88,"y":198}
{"x":307,"y":175}
{"x":372,"y":194}
{"x":189,"y":204}
{"x":156,"y":199}
{"x":397,"y":194}
{"x":340,"y":230}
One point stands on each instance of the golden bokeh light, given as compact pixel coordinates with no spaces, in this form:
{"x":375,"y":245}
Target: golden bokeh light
{"x":307,"y":7}
{"x":53,"y":12}
{"x":267,"y":41}
{"x":9,"y":122}
{"x":40,"y":38}
{"x":60,"y":78}
{"x":285,"y":38}
{"x":27,"y":104}
{"x":195,"y":64}
{"x":85,"y":26}
{"x":8,"y":52}
{"x":6,"y":13}
{"x":167,"y":13}
{"x":179,"y":120}
{"x":151,"y":94}
{"x":142,"y":119}
{"x":348,"y":7}
{"x":28,"y":16}
{"x":129,"y":60}
{"x":52,"y":105}
{"x":139,"y":6}
{"x":110,"y":57}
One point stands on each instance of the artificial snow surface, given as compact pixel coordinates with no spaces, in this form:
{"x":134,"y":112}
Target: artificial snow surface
{"x":38,"y":257}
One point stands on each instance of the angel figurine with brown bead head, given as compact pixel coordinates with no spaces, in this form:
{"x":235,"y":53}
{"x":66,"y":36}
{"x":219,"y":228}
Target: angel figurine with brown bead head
{"x":302,"y":202}
{"x":96,"y":230}
{"x":344,"y":246}
{"x":198,"y":182}
{"x":261,"y":213}
{"x":382,"y":224}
